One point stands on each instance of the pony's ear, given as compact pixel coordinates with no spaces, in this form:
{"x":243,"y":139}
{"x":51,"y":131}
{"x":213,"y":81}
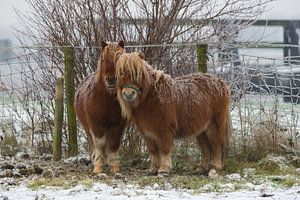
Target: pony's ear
{"x":142,"y":55}
{"x":103,"y":44}
{"x":121,"y":43}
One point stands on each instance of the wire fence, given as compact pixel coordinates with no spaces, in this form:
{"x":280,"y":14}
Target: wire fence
{"x":265,"y":94}
{"x":265,"y":102}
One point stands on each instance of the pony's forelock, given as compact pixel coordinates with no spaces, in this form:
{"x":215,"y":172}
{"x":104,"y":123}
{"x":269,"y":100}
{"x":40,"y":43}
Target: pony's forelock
{"x":133,"y":66}
{"x":110,"y":51}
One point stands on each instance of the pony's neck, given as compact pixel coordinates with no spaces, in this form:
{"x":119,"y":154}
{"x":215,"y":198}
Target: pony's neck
{"x":162,"y":86}
{"x":100,"y":85}
{"x":98,"y":76}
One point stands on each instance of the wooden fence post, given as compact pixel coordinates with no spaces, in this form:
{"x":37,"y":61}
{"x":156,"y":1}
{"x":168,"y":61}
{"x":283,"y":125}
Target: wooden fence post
{"x":58,"y":119}
{"x":202,"y":57}
{"x":70,"y":93}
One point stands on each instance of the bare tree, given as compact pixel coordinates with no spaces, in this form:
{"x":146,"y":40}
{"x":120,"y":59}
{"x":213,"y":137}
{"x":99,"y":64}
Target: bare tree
{"x":87,"y":22}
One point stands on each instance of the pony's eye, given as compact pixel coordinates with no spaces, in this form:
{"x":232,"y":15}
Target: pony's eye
{"x":141,"y":89}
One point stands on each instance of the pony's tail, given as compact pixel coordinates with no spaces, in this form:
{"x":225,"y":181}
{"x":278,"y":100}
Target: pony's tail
{"x":228,"y":136}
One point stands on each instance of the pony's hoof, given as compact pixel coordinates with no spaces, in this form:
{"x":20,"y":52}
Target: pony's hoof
{"x":102,"y":176}
{"x":114,"y":169}
{"x":201,"y":171}
{"x":119,"y":176}
{"x":218,"y":166}
{"x":151,"y":172}
{"x":97,"y":169}
{"x":163,"y":172}
{"x":213,"y":174}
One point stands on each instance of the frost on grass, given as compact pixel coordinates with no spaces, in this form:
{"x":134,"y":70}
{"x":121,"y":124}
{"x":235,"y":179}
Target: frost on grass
{"x":71,"y":179}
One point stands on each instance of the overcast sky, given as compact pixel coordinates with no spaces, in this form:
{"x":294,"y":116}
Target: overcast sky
{"x":281,"y":9}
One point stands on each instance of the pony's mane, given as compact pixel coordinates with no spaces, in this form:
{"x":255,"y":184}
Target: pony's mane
{"x":134,"y":66}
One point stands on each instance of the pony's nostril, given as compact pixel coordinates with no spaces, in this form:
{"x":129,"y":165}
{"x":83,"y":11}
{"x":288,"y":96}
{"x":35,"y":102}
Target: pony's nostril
{"x":112,"y":80}
{"x":127,"y":96}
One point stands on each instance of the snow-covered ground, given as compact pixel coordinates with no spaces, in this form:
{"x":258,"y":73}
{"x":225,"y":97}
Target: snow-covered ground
{"x":103,"y":191}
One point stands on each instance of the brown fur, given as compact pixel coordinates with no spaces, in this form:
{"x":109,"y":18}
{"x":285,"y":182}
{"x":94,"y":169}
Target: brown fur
{"x":98,"y":110}
{"x":166,"y":108}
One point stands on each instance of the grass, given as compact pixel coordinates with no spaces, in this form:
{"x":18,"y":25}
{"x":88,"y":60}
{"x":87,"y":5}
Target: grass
{"x":183,"y":178}
{"x":264,"y":169}
{"x":176,"y":181}
{"x":44,"y":183}
{"x":64,"y":182}
{"x":291,"y":182}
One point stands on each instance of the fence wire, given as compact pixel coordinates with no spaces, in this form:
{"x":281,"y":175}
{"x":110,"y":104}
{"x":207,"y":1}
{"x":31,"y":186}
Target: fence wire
{"x":265,"y":94}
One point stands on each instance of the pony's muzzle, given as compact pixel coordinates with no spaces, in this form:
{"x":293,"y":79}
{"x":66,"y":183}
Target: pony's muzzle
{"x":110,"y":81}
{"x":129,"y":94}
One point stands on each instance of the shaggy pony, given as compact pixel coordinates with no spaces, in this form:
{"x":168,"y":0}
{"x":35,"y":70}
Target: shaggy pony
{"x":98,"y":110}
{"x":165,"y":108}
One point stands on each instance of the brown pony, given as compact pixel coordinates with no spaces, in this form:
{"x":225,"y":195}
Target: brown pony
{"x":98,"y":110}
{"x":165,"y":108}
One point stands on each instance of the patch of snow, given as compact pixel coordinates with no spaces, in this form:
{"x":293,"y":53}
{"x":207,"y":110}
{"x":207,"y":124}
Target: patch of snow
{"x":249,"y":172}
{"x":233,"y":177}
{"x":155,"y":186}
{"x":227,"y":187}
{"x":250,"y":186}
{"x":71,"y":160}
{"x":103,"y":191}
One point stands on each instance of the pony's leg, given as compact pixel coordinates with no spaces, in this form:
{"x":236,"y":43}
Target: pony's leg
{"x":91,"y":146}
{"x":99,"y":152}
{"x":165,"y":147}
{"x":206,"y":151}
{"x":216,"y":139}
{"x":153,"y":150}
{"x":113,"y":161}
{"x":165,"y":163}
{"x":114,"y":137}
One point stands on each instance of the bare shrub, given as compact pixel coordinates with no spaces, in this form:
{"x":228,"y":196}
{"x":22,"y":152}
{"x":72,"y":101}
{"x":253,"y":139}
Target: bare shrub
{"x":266,"y":138}
{"x":260,"y":137}
{"x":9,"y":144}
